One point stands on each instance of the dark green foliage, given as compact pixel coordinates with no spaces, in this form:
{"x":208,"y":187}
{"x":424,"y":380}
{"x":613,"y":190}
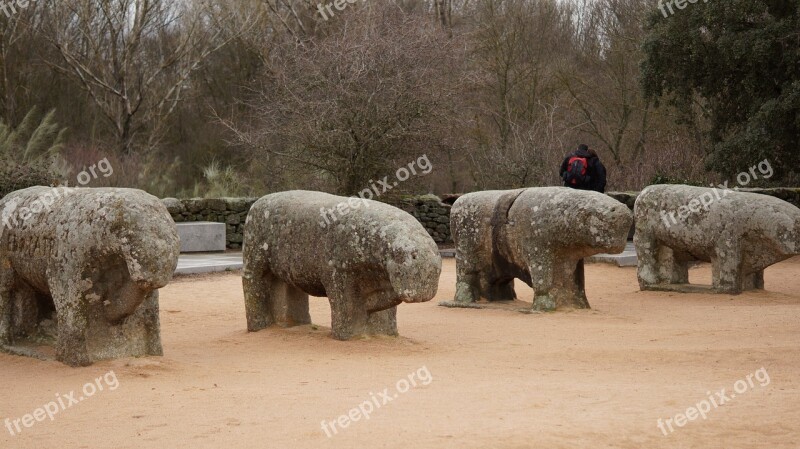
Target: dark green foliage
{"x":737,"y":62}
{"x":666,"y":179}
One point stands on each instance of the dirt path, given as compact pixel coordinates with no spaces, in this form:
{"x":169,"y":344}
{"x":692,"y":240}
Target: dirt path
{"x":484,"y":378}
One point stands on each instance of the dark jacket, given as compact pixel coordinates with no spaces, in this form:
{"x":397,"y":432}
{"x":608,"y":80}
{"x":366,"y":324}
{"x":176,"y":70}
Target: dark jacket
{"x":595,"y":170}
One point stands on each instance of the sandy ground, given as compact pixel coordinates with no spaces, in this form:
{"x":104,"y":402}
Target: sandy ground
{"x":495,"y":378}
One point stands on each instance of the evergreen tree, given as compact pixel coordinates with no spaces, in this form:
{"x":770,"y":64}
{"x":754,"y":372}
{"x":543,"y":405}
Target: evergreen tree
{"x":737,"y":62}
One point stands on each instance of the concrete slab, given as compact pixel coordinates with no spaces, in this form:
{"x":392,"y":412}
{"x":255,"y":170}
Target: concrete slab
{"x":626,"y":258}
{"x":201,"y":236}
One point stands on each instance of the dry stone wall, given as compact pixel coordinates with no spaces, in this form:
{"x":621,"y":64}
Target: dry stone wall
{"x":430,"y":210}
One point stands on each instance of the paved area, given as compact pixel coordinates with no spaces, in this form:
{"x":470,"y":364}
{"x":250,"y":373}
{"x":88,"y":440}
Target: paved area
{"x":197,"y":263}
{"x":209,"y":262}
{"x":232,"y":260}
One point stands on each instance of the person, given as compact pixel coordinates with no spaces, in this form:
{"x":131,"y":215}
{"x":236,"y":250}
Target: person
{"x":583,"y":170}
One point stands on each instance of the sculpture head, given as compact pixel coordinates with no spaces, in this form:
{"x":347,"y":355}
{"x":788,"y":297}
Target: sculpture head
{"x":788,"y":231}
{"x":148,"y":240}
{"x":413,"y":262}
{"x":603,"y":221}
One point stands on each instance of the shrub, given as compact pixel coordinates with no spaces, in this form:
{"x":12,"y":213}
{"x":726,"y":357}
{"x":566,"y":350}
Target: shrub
{"x":29,"y":153}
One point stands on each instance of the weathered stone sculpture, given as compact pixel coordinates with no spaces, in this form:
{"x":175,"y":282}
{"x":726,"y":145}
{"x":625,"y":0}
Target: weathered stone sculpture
{"x":739,"y":233}
{"x":89,"y":263}
{"x":537,"y":235}
{"x":366,"y":257}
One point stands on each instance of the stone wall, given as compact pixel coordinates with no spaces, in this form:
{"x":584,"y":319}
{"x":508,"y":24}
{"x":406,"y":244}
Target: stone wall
{"x":428,"y":209}
{"x":231,"y":211}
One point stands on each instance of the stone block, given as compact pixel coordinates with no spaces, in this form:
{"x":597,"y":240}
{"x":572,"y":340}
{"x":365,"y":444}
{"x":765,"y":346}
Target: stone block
{"x":201,"y":237}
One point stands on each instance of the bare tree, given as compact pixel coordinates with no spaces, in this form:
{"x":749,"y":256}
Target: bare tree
{"x":603,"y":77}
{"x":297,"y":17}
{"x":15,"y":33}
{"x":517,"y":129}
{"x":494,"y":91}
{"x":133,"y":57}
{"x":349,"y":107}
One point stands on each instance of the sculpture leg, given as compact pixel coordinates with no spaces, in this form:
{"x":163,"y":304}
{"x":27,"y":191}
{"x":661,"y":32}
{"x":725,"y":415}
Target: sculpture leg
{"x":383,"y":322}
{"x":726,"y":270}
{"x":269,"y":300}
{"x":542,"y":279}
{"x":24,"y":311}
{"x":499,"y":290}
{"x":71,"y":346}
{"x":288,"y":304}
{"x":350,"y":316}
{"x":561,"y":285}
{"x":754,"y":281}
{"x":381,"y":305}
{"x":671,"y":270}
{"x":6,"y":285}
{"x":255,"y":283}
{"x":578,"y":287}
{"x":347,"y":319}
{"x":152,"y":324}
{"x":569,"y":289}
{"x":466,"y":292}
{"x":647,"y":252}
{"x":468,"y":285}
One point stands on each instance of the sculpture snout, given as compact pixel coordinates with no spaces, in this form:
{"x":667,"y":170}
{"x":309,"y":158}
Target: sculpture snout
{"x":152,"y":262}
{"x":417,"y":278}
{"x":610,"y":228}
{"x":148,"y":272}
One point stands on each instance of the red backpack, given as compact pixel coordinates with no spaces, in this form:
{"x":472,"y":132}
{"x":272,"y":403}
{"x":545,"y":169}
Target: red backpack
{"x":577,"y":172}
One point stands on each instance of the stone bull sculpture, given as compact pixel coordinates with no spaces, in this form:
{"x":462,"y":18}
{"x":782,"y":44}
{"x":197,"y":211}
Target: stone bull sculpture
{"x":90,"y":262}
{"x":739,"y":233}
{"x":366,"y":257}
{"x":537,"y":235}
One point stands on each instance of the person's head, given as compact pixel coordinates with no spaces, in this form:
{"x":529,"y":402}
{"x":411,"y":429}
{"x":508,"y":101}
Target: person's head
{"x":583,"y":147}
